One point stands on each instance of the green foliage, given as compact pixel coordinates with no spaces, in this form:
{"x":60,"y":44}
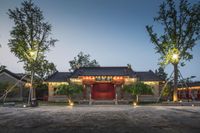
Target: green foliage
{"x":160,"y":72}
{"x":181,"y":26}
{"x":45,"y":68}
{"x":139,"y":89}
{"x":30,"y":38}
{"x":82,"y":60}
{"x":181,"y":31}
{"x":167,"y":90}
{"x":68,"y":90}
{"x":42,"y":90}
{"x":172,"y":56}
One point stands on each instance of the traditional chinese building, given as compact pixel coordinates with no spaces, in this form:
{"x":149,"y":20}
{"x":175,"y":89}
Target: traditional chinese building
{"x":103,"y":83}
{"x":188,"y":91}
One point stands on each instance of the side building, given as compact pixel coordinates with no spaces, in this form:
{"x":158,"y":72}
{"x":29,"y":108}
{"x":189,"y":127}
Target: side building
{"x":189,"y":91}
{"x":15,"y":81}
{"x":103,"y":83}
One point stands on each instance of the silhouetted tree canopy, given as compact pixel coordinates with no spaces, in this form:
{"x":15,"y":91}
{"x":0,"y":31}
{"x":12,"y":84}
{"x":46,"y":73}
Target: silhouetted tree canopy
{"x":82,"y":60}
{"x":138,"y":89}
{"x":160,"y":72}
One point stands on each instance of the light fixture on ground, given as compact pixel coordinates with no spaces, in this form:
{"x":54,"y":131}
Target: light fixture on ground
{"x":71,"y":103}
{"x":135,"y":104}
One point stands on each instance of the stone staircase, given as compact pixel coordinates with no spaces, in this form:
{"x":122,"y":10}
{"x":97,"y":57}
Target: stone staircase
{"x":103,"y":102}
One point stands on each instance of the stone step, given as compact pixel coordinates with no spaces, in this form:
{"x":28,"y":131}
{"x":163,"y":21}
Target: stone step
{"x":103,"y":102}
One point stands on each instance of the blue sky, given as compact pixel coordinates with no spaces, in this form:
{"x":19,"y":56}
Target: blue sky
{"x":111,"y":31}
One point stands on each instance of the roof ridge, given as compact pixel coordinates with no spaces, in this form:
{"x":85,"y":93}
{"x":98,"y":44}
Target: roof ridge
{"x":141,"y":71}
{"x":64,"y":72}
{"x":12,"y":74}
{"x":106,"y":67}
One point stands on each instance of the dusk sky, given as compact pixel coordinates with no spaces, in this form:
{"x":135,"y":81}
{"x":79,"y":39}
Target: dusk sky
{"x":111,"y":31}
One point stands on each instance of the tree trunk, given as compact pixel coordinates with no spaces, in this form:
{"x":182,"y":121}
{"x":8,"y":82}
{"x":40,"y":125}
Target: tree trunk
{"x":175,"y":97}
{"x":33,"y":95}
{"x":137,"y":98}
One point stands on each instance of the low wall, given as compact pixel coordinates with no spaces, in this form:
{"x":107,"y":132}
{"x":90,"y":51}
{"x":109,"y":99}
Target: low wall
{"x":77,"y":98}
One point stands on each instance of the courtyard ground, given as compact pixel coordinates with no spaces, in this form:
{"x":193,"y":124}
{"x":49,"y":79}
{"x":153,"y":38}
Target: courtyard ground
{"x":100,"y":119}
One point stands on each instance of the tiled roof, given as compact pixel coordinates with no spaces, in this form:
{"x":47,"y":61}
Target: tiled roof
{"x":103,"y":71}
{"x":25,"y":76}
{"x":15,"y":75}
{"x":59,"y":77}
{"x":148,"y":76}
{"x":189,"y":84}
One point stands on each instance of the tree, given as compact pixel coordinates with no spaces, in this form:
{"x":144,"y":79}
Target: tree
{"x":181,"y":28}
{"x":82,"y":60}
{"x":30,"y":38}
{"x":160,"y":72}
{"x":42,"y":91}
{"x":44,"y":69}
{"x":2,"y":67}
{"x":138,"y":89}
{"x":69,"y":91}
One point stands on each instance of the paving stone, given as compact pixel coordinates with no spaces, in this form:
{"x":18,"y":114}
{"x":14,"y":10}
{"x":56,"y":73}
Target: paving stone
{"x":100,"y":119}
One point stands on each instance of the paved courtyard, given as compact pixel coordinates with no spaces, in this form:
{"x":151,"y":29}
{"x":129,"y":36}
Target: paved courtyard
{"x":100,"y":119}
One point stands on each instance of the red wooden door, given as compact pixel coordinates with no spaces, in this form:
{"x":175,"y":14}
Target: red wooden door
{"x":103,"y":91}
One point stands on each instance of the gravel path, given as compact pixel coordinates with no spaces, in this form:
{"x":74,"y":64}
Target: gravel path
{"x":100,"y":119}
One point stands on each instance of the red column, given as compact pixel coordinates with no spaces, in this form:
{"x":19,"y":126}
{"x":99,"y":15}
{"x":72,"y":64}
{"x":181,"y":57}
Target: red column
{"x":122,"y":91}
{"x":84,"y":92}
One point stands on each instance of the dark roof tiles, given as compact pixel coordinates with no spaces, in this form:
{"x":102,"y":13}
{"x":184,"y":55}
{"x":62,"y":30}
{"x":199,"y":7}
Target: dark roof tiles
{"x":148,"y":76}
{"x":59,"y":77}
{"x":15,"y":75}
{"x":103,"y":71}
{"x":189,"y":84}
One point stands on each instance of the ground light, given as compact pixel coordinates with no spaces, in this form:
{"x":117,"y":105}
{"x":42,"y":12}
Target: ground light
{"x":70,"y":103}
{"x":134,"y":103}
